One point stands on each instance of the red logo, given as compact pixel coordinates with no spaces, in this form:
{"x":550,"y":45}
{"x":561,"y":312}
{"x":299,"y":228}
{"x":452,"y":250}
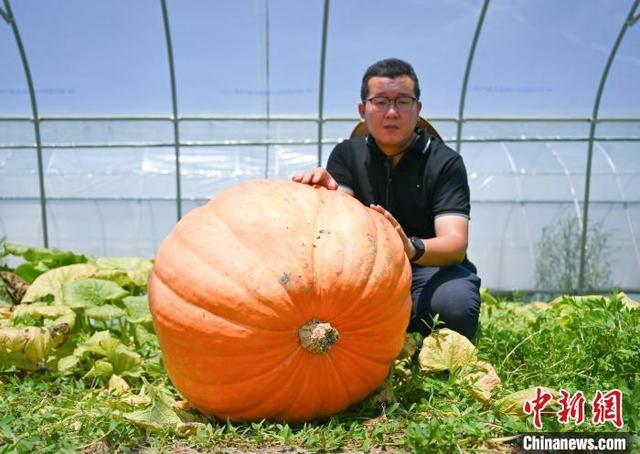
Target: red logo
{"x":536,"y":405}
{"x":572,"y":407}
{"x":605,"y":407}
{"x":608,"y":407}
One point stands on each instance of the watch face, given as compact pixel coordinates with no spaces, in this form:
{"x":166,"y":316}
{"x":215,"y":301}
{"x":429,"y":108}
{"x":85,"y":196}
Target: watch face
{"x":419,"y":246}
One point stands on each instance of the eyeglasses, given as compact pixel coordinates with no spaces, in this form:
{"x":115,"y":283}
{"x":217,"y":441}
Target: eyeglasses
{"x":401,"y":103}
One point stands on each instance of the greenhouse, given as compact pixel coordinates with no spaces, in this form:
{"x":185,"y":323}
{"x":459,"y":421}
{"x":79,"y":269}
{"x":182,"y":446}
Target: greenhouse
{"x":119,"y":118}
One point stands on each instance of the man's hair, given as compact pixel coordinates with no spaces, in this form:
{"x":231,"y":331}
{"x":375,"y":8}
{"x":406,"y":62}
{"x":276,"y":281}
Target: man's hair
{"x":389,"y":67}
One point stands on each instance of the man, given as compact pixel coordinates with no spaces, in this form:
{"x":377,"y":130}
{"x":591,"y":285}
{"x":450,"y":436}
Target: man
{"x":420,"y":185}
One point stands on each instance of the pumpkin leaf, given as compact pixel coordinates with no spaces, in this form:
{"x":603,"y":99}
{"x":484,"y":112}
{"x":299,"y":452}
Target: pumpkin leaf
{"x":106,"y":312}
{"x":51,"y":282}
{"x":125,"y":271}
{"x":628,"y":303}
{"x":444,"y":350}
{"x":101,"y":369}
{"x":160,"y":413}
{"x":143,"y":336}
{"x":40,"y":260}
{"x":68,"y":363}
{"x":137,"y":309}
{"x":30,"y":347}
{"x":118,"y":384}
{"x":483,"y":379}
{"x":44,"y":314}
{"x":513,"y":404}
{"x":91,"y":292}
{"x":121,"y":359}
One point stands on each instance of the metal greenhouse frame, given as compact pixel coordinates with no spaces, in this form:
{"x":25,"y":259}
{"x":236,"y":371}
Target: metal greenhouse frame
{"x":319,"y":121}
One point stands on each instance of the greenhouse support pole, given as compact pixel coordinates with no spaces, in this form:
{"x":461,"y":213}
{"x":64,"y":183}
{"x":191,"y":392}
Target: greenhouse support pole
{"x":7,"y":15}
{"x":174,"y":102}
{"x":323,"y":59}
{"x":630,"y":20}
{"x":268,"y":84}
{"x":467,"y":72}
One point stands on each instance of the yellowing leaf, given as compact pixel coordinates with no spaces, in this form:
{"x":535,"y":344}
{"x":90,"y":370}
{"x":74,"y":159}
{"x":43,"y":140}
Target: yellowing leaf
{"x":50,"y":314}
{"x":30,"y":346}
{"x":446,"y":350}
{"x":513,"y":404}
{"x":51,"y":282}
{"x":160,"y":413}
{"x":628,"y":302}
{"x":125,"y":271}
{"x":483,"y":380}
{"x":118,"y":384}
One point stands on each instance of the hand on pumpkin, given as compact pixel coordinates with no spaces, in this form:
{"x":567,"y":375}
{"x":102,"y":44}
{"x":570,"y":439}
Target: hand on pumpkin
{"x":408,"y":247}
{"x":317,"y":176}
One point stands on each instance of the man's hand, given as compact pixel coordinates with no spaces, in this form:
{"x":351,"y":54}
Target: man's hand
{"x":408,"y":246}
{"x":317,"y":176}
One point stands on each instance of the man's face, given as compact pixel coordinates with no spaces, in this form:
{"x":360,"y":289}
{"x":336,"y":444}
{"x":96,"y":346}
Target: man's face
{"x":392,"y":127}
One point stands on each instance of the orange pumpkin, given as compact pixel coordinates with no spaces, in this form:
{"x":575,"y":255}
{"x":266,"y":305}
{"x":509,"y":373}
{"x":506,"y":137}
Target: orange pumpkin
{"x":278,"y":300}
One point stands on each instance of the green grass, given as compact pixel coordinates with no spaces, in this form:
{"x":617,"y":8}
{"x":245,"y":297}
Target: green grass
{"x":585,"y":345}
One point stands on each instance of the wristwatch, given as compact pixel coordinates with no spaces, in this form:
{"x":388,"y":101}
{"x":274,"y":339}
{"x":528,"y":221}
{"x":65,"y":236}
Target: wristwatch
{"x":418,"y":244}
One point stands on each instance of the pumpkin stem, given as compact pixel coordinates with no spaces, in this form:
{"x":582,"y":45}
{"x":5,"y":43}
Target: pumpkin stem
{"x":318,"y":337}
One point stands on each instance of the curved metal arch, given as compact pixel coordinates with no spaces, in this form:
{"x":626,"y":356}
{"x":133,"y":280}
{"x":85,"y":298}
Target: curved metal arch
{"x":465,"y":82}
{"x":323,"y":60}
{"x":174,"y":102}
{"x":630,"y":20}
{"x":8,"y":16}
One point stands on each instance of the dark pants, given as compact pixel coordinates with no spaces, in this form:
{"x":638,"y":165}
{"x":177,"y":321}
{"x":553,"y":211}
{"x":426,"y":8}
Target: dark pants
{"x":453,"y":292}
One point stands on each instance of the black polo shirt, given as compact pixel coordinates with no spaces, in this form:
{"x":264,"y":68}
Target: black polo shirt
{"x":429,"y":180}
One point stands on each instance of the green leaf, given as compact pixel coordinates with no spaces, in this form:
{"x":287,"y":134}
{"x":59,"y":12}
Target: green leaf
{"x":160,"y":414}
{"x":35,"y":254}
{"x":137,"y":309}
{"x":5,"y":296}
{"x":126,"y":271}
{"x":91,"y":292}
{"x":51,"y":282}
{"x":124,"y":362}
{"x":101,"y":369}
{"x":143,"y":336}
{"x":68,"y":362}
{"x":29,"y":271}
{"x":106,"y":312}
{"x":40,"y":260}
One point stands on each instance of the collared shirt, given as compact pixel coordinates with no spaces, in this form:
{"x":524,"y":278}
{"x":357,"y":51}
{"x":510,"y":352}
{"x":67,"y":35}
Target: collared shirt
{"x":429,"y":180}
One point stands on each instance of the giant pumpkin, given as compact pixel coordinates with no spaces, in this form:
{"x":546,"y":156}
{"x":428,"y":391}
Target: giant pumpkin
{"x":278,"y":300}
